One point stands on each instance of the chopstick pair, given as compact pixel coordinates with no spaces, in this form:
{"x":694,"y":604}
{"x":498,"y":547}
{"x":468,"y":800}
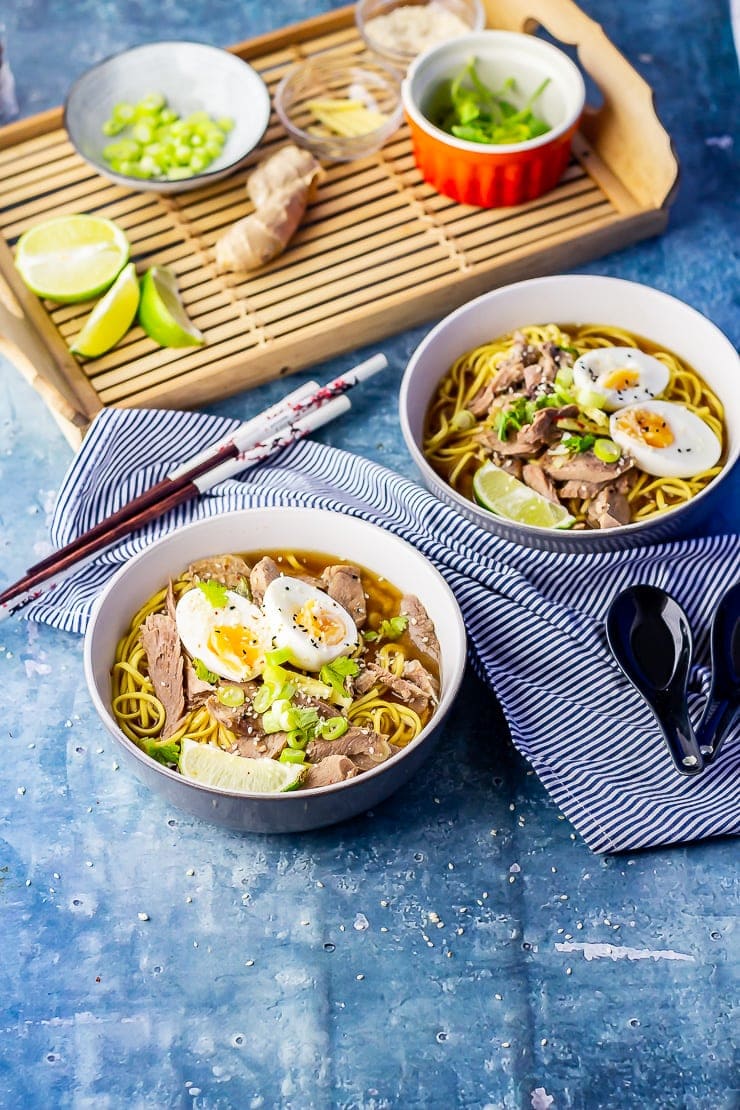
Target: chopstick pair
{"x":296,"y":416}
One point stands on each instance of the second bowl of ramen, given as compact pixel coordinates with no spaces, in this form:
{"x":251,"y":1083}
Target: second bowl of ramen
{"x":275,"y":670}
{"x":574,"y":412}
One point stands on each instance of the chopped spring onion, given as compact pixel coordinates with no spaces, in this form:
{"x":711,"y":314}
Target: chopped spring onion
{"x":232,"y":696}
{"x":292,"y":755}
{"x":607,"y":450}
{"x":156,"y":143}
{"x":334,"y":727}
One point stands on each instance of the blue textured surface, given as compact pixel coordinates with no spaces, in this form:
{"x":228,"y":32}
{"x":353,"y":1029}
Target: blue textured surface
{"x":441,"y":952}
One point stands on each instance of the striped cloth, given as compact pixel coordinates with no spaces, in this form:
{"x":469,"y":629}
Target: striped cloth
{"x":535,"y":619}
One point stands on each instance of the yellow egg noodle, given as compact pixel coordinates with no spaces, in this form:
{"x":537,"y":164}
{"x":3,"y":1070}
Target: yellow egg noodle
{"x":141,"y":715}
{"x":450,"y":443}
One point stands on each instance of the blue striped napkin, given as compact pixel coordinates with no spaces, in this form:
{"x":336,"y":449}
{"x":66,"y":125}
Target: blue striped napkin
{"x":535,"y":619}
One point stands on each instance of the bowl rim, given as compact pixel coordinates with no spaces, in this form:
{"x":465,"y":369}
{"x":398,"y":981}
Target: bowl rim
{"x":358,"y":143}
{"x":163,"y":184}
{"x":571,"y":79}
{"x":508,"y":528}
{"x":455,"y":636}
{"x":402,"y":57}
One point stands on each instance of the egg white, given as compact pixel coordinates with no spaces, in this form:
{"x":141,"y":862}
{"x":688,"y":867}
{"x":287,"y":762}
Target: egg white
{"x":620,"y":375}
{"x":313,"y":627}
{"x":230,"y":640}
{"x":693,"y":446}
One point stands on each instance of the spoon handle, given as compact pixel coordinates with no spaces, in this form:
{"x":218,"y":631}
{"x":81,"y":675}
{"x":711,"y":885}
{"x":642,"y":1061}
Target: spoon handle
{"x":723,"y":703}
{"x":679,"y":735}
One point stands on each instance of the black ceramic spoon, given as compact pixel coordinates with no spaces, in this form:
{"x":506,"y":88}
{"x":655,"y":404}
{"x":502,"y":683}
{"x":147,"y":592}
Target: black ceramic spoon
{"x":723,"y":704}
{"x":650,"y":638}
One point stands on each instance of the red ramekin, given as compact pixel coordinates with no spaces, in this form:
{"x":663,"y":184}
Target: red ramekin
{"x":488,"y":175}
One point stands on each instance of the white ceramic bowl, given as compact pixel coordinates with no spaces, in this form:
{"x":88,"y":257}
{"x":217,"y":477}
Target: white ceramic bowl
{"x":192,"y":76}
{"x":264,"y":529}
{"x":574,"y":299}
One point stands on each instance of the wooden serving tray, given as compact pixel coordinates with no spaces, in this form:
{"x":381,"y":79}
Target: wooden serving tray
{"x":378,"y":251}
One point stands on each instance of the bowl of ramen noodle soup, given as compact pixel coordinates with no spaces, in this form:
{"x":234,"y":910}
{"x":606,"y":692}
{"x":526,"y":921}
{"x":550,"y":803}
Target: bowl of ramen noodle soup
{"x":574,"y":412}
{"x":275,"y":670}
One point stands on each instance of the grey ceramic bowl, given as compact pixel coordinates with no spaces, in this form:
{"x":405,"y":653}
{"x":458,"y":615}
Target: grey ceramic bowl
{"x":263,"y":529}
{"x":192,"y":76}
{"x":574,"y":299}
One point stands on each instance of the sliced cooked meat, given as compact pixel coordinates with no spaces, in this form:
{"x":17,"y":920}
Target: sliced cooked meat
{"x":231,"y":570}
{"x":307,"y":701}
{"x":408,"y":692}
{"x":581,"y":490}
{"x":364,"y":747}
{"x":344,"y":584}
{"x":583,"y":467}
{"x":197,"y":690}
{"x":543,"y":428}
{"x":609,"y":508}
{"x":542,"y":373}
{"x":416,"y":672}
{"x":267,"y":746}
{"x":484,"y":398}
{"x":487,"y":438}
{"x":170,"y":600}
{"x":164,"y":660}
{"x":242,"y":719}
{"x":420,"y":627}
{"x":335,"y":768}
{"x":509,"y":374}
{"x":534,"y":476}
{"x":263,"y":573}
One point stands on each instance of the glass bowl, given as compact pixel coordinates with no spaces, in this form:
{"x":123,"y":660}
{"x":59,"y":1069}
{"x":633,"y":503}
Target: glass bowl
{"x":399,"y":30}
{"x":334,"y":77}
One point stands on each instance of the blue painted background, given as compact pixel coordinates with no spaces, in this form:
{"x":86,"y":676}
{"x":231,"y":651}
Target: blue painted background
{"x":441,"y":952}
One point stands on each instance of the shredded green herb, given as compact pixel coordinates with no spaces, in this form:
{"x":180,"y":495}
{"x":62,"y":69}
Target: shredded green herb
{"x":390,"y":629}
{"x":466,"y":108}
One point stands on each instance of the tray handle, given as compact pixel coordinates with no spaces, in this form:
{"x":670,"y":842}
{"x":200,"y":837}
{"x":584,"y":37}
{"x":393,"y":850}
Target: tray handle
{"x":625,"y":131}
{"x":56,"y":377}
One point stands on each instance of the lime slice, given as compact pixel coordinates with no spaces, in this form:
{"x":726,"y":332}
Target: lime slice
{"x":161,"y":313}
{"x":215,"y":767}
{"x":71,"y":258}
{"x":503,"y":494}
{"x":112,"y":316}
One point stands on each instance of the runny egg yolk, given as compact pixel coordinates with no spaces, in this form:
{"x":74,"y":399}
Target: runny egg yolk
{"x":237,"y":645}
{"x":620,"y":379}
{"x":320,"y":624}
{"x":646,"y":427}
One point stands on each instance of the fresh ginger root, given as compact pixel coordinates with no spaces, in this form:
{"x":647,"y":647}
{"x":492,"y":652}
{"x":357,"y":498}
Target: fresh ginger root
{"x":280,"y":188}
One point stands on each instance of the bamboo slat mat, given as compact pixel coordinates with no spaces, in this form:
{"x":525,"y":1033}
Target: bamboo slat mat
{"x":378,"y":250}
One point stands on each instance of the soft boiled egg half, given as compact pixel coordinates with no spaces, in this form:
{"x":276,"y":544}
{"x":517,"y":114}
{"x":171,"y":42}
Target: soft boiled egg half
{"x":230,"y":639}
{"x":665,"y":439}
{"x":312,"y":626}
{"x":620,"y":376}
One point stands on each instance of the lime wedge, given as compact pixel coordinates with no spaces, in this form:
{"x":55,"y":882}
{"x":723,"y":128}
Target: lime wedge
{"x":503,"y":494}
{"x":71,"y":258}
{"x":215,"y":767}
{"x":112,"y":316}
{"x":161,"y":312}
